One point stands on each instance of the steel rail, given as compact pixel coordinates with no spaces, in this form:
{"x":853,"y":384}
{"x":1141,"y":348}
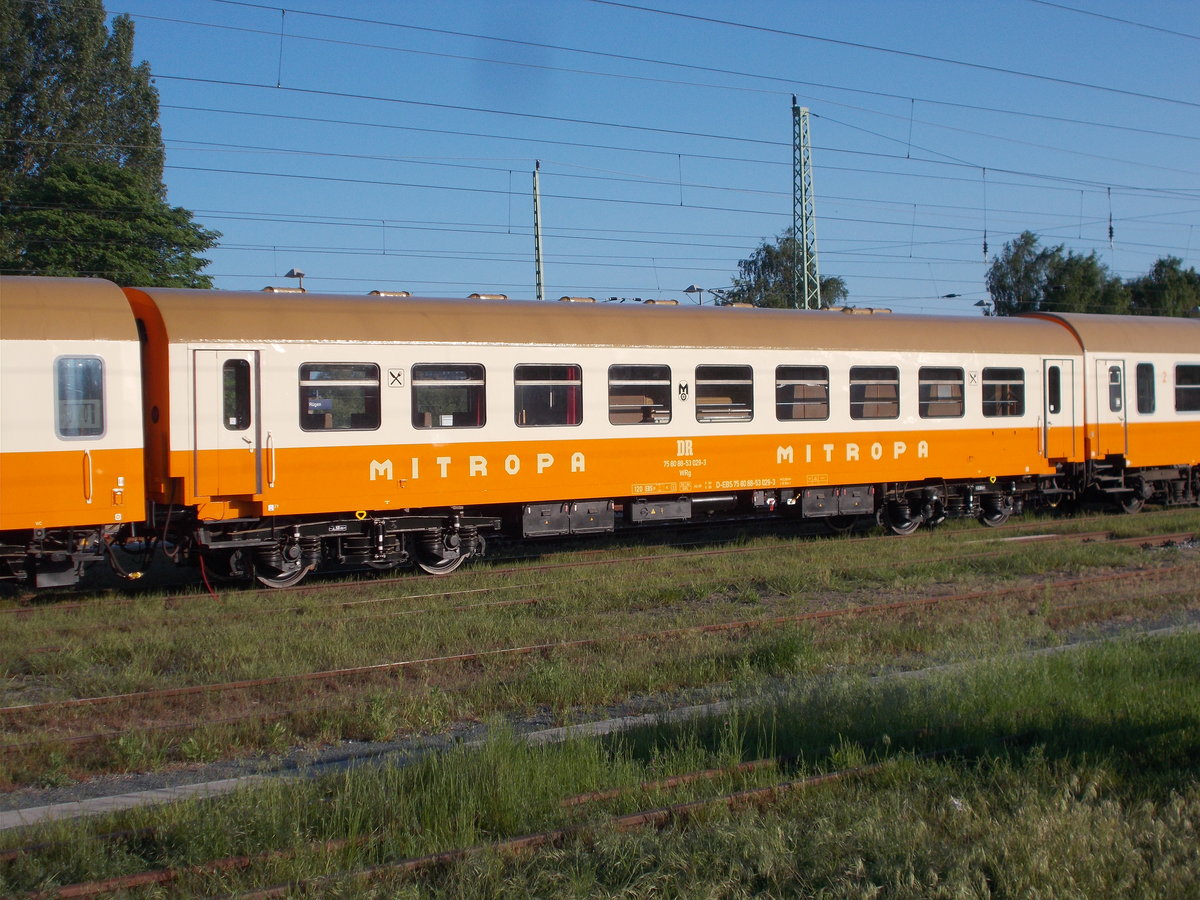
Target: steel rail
{"x":306,"y":588}
{"x":552,"y":646}
{"x":347,"y":604}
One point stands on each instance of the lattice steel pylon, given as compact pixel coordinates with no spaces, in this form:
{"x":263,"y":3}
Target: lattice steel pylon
{"x":806,"y":282}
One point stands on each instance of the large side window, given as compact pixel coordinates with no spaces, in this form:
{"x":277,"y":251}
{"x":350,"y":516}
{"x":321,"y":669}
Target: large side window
{"x":235,"y":394}
{"x":639,"y":395}
{"x":79,"y":396}
{"x":448,"y":395}
{"x":801,"y":392}
{"x":1003,"y":392}
{"x":1187,"y":388}
{"x":548,"y":395}
{"x":339,"y":396}
{"x":874,"y":392}
{"x":1145,"y":388}
{"x":724,"y":393}
{"x":940,"y":392}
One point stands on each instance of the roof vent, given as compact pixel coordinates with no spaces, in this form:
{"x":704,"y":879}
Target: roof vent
{"x":863,"y":310}
{"x":488,"y":297}
{"x":576,"y":299}
{"x":271,"y":289}
{"x":653,"y":302}
{"x":390,"y":294}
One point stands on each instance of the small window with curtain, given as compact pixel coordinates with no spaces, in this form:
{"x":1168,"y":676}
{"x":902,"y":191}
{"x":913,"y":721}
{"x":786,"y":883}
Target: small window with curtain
{"x":940,"y":392}
{"x":874,"y":392}
{"x":448,"y":395}
{"x":79,"y":396}
{"x":1054,"y":390}
{"x":639,"y":395}
{"x":235,"y":394}
{"x":801,"y":392}
{"x":1116,"y":389}
{"x":1003,"y":392}
{"x":1187,"y":388}
{"x":339,"y":396}
{"x":1145,"y":388}
{"x":548,"y":395}
{"x":724,"y":393}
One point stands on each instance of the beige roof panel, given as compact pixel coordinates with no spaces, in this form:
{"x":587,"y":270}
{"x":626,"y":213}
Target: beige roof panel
{"x":75,"y":309}
{"x":1129,"y":334}
{"x":254,"y":317}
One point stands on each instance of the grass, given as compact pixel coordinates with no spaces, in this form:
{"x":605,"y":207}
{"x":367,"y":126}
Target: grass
{"x":1075,"y":776}
{"x":138,"y":643}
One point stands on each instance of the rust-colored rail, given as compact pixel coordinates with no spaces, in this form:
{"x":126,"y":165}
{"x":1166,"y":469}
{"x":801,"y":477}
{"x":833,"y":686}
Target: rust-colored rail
{"x":328,"y":674}
{"x":898,"y":606}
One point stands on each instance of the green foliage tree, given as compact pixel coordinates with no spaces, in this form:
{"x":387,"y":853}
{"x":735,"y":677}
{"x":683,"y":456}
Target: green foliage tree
{"x":80,"y":148}
{"x":1167,"y":290}
{"x":1027,"y":277}
{"x":100,"y":219}
{"x":765,"y":277}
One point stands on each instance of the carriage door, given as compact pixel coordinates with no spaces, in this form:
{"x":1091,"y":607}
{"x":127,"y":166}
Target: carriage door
{"x":1110,"y":408}
{"x":1058,"y":436}
{"x":226,"y":429}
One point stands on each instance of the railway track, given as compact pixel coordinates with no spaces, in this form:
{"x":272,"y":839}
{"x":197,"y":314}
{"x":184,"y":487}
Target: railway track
{"x":657,"y":817}
{"x":56,"y":715}
{"x":503,"y":565}
{"x":53,"y":638}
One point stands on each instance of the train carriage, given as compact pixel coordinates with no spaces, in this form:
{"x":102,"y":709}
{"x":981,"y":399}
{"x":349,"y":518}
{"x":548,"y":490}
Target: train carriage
{"x":1142,"y":386}
{"x":306,"y":428}
{"x":285,"y":432}
{"x":71,"y":440}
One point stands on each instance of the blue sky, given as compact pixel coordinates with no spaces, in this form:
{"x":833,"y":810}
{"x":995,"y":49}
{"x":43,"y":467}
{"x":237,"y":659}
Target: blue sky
{"x":391,"y":145}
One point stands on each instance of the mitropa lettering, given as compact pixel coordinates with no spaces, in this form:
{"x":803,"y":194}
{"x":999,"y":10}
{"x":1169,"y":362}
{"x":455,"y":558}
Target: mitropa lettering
{"x":476,"y":466}
{"x":851,"y":452}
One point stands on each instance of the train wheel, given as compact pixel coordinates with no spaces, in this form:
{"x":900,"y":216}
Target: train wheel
{"x":840,"y":524}
{"x":440,"y":553}
{"x":280,"y":566}
{"x":996,"y":511}
{"x":1132,"y":504}
{"x":282,"y":579}
{"x":441,"y":565}
{"x":994,"y":518}
{"x":897,"y":518}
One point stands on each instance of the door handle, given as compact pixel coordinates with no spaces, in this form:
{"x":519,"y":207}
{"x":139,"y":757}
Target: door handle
{"x":87,"y":475}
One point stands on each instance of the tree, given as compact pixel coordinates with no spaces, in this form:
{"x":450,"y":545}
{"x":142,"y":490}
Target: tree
{"x":100,"y":219}
{"x":1167,"y":290}
{"x":80,"y":147}
{"x":765,"y":277}
{"x":1027,"y":277}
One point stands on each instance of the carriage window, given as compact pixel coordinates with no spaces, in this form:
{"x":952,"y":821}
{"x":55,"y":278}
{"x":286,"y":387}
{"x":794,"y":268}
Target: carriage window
{"x":1145,"y":388}
{"x":940,"y":392}
{"x":639,"y":395}
{"x":874,"y":392}
{"x":1054,"y":390}
{"x":801,"y":392}
{"x":548,"y":395}
{"x":1003,"y":392}
{"x":79,"y":396}
{"x":1116,"y":393}
{"x":724,"y":393}
{"x":448,"y":395}
{"x":1187,"y":388}
{"x":339,"y":396}
{"x":235,"y":392}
